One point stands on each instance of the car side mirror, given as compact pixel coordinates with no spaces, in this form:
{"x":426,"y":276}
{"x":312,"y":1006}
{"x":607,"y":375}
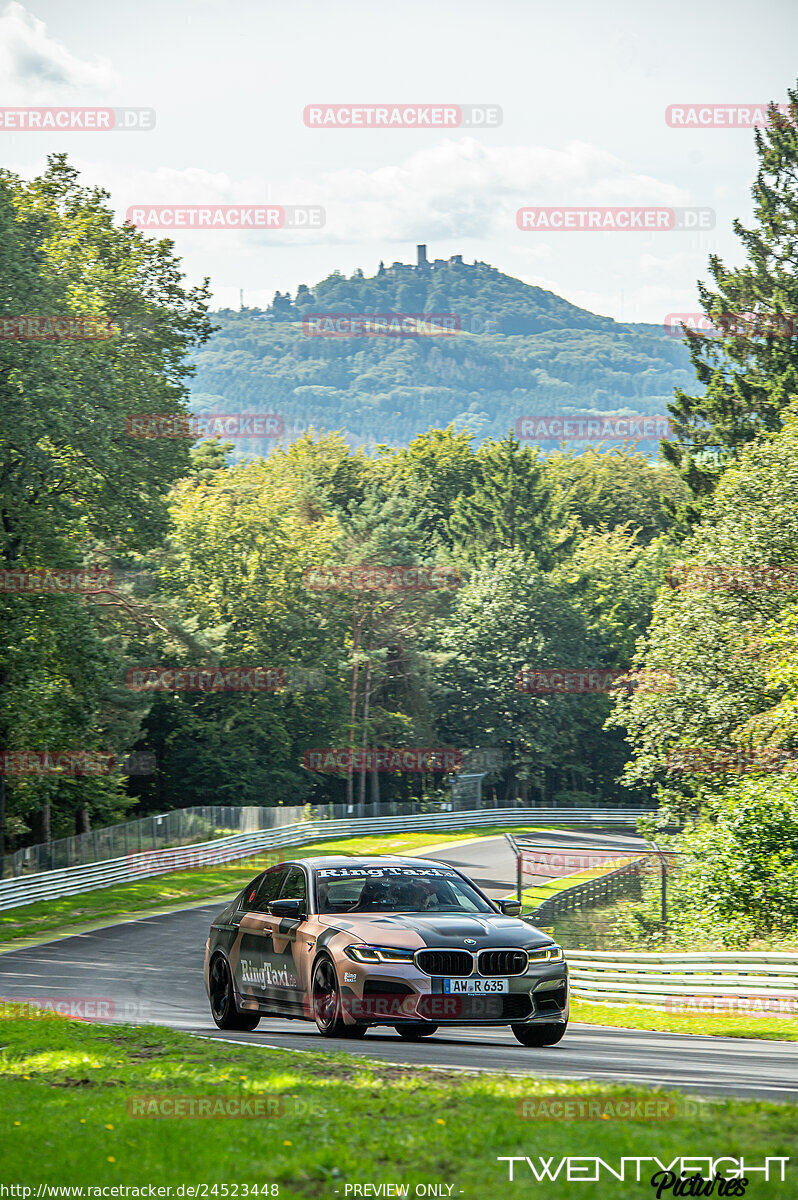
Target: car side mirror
{"x":510,"y":908}
{"x":293,"y":909}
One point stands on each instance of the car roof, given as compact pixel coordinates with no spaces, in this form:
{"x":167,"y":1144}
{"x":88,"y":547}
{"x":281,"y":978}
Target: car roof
{"x":368,"y":860}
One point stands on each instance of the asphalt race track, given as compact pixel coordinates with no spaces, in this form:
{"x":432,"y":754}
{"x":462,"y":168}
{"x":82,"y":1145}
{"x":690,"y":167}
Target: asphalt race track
{"x":150,"y":971}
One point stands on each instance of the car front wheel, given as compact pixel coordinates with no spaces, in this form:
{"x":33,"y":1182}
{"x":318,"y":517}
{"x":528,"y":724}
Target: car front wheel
{"x":327,"y":1003}
{"x":223,"y":1004}
{"x":539,"y":1035}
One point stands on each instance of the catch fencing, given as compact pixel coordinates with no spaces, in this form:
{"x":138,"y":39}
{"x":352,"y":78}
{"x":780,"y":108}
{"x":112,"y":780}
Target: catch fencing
{"x":303,"y":828}
{"x":622,"y":881}
{"x":184,"y":826}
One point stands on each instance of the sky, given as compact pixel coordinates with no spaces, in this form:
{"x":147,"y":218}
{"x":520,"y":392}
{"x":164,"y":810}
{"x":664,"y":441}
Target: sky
{"x":583,"y":91}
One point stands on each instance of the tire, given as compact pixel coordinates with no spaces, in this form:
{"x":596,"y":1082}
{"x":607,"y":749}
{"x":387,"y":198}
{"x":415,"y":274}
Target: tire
{"x":539,"y":1035}
{"x":326,"y":1001}
{"x":223,"y":1001}
{"x":413,"y":1031}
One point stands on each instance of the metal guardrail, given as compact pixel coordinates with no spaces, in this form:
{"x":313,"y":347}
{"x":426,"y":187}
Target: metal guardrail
{"x":768,"y":982}
{"x":184,"y":826}
{"x":71,"y":881}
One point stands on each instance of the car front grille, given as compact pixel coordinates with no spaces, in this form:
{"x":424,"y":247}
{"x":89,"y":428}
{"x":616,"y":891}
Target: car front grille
{"x":439,"y":1008}
{"x":445,"y":962}
{"x":502,"y":962}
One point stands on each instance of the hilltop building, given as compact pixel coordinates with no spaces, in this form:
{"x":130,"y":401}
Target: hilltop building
{"x":422,"y":263}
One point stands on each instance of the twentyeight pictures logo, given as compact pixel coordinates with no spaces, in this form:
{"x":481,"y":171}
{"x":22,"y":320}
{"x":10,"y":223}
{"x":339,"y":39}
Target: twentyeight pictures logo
{"x":402,"y":116}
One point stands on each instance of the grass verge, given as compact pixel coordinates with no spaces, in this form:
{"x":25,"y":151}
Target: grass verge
{"x":69,"y":1092}
{"x":640,"y":1016}
{"x":183,"y":888}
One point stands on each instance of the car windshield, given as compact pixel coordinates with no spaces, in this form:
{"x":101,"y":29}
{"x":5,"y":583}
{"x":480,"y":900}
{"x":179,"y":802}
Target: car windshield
{"x":396,"y":889}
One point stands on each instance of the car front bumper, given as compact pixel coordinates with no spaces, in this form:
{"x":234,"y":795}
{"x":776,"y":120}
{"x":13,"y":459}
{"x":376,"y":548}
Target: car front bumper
{"x":379,"y":994}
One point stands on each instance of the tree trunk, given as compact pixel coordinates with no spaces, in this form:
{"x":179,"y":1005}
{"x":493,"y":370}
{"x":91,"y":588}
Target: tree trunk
{"x":82,"y":820}
{"x":361,"y":788}
{"x":350,"y":779}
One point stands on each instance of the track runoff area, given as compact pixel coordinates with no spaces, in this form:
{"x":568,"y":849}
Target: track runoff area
{"x":149,"y":970}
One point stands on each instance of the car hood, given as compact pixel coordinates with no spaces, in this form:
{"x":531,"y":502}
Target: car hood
{"x":414,"y":930}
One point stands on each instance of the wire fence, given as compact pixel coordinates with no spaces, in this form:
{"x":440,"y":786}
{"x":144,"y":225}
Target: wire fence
{"x":186,"y":826}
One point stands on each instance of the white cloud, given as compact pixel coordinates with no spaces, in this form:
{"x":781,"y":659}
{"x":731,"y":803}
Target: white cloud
{"x":462,"y":188}
{"x":36,"y":69}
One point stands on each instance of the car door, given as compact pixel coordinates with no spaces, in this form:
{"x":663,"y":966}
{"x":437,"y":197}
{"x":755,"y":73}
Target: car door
{"x":292,"y":944}
{"x":253,"y":969}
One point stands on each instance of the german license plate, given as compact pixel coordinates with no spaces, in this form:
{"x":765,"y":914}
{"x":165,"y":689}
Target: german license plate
{"x":475,"y":987}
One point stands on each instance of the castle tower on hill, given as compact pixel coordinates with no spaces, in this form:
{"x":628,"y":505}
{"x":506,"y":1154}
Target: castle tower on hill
{"x":422,"y":263}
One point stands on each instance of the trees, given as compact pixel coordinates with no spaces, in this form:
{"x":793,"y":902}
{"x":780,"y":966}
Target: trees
{"x":509,"y":506}
{"x":74,"y":487}
{"x":750,"y":367}
{"x":729,"y":642}
{"x":738,"y":871}
{"x":611,"y":488}
{"x":506,"y":617}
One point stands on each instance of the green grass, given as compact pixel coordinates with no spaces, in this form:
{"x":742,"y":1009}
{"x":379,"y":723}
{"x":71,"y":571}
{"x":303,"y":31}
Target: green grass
{"x":182,"y":888}
{"x":65,"y":1119}
{"x":640,"y":1016}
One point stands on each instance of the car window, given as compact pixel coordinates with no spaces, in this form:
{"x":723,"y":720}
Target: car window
{"x":268,"y":889}
{"x":396,"y":889}
{"x":295,"y":887}
{"x":250,"y":891}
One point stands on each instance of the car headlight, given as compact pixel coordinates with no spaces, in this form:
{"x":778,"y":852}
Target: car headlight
{"x":551,"y":953}
{"x":374,"y":954}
